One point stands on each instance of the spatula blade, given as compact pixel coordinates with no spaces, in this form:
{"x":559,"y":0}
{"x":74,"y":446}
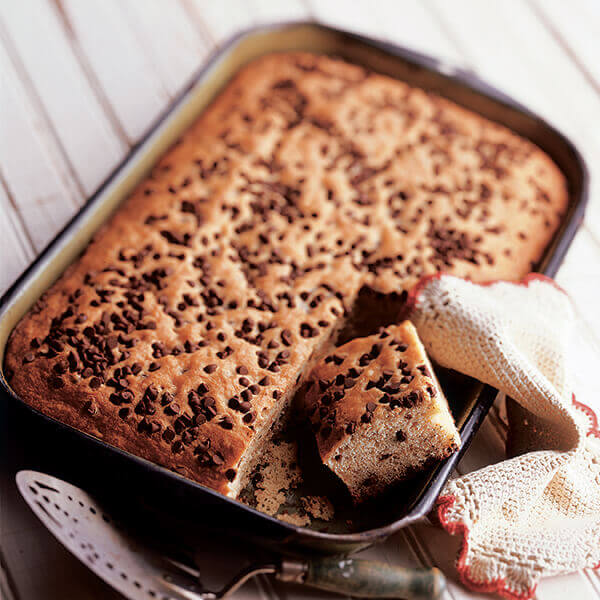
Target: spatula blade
{"x":80,"y":524}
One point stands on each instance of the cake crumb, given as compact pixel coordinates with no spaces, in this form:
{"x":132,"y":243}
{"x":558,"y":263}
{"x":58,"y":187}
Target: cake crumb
{"x":294,"y":519}
{"x":269,"y":502}
{"x":318,"y":507}
{"x":276,"y":488}
{"x":279,"y":473}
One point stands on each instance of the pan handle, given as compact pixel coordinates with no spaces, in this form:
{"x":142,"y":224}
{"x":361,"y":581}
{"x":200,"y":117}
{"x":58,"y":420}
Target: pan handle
{"x":365,"y":578}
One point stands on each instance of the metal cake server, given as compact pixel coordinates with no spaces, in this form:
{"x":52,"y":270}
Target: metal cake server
{"x":139,"y":573}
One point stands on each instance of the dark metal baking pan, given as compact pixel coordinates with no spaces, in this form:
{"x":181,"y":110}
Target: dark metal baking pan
{"x":33,"y":440}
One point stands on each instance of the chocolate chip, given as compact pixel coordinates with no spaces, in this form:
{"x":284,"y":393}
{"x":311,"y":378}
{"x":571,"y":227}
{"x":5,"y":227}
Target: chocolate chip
{"x":166,"y":398}
{"x":199,"y":419}
{"x":308,"y":331}
{"x":400,"y":436}
{"x":226,"y":422}
{"x":60,"y":367}
{"x":375,"y":350}
{"x":90,"y":408}
{"x":56,"y":382}
{"x":349,"y":382}
{"x":210,"y":368}
{"x":55,"y":345}
{"x":173,"y":409}
{"x":411,"y":399}
{"x":154,"y":427}
{"x":151,"y":393}
{"x":286,"y":337}
{"x":424,"y":370}
{"x":188,"y":436}
{"x":95,"y":382}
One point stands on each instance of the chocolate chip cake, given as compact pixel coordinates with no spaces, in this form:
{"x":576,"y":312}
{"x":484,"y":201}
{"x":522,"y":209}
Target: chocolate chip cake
{"x":378,"y":412}
{"x":184,"y":329}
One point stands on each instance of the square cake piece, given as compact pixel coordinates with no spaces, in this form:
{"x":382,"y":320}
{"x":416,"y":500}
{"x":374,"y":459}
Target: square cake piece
{"x":378,"y":412}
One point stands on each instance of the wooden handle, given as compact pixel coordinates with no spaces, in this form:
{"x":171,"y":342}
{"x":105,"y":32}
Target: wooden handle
{"x":371,"y":579}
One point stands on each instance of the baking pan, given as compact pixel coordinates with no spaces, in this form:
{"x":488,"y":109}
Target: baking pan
{"x":178,"y":506}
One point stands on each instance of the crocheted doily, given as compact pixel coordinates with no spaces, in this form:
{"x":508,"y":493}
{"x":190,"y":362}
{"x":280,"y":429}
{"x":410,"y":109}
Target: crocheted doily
{"x":536,"y":514}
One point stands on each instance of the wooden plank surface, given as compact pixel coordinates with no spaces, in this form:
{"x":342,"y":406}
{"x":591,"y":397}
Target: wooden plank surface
{"x":175,"y":47}
{"x":33,"y":170}
{"x":75,"y":117}
{"x":82,"y":81}
{"x":117,"y":59}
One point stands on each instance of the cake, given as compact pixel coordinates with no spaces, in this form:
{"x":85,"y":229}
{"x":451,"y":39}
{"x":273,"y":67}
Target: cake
{"x":378,"y":412}
{"x":184,"y":329}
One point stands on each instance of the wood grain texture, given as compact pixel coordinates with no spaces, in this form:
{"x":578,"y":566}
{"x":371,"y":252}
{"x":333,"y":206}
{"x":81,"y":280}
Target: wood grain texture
{"x":117,"y":58}
{"x":81,"y":81}
{"x":16,"y":250}
{"x":409,"y":23}
{"x":220,"y":20}
{"x":576,"y":27}
{"x":273,"y":11}
{"x":74,"y":117}
{"x":174,"y":46}
{"x":32,"y":166}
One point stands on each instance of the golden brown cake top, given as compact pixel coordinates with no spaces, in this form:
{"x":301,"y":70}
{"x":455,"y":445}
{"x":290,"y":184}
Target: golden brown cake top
{"x":195,"y":309}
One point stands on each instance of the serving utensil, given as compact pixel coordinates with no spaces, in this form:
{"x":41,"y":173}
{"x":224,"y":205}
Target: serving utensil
{"x":138,"y":572}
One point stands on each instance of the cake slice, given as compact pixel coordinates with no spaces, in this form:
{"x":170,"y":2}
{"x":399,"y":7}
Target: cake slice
{"x":378,"y":412}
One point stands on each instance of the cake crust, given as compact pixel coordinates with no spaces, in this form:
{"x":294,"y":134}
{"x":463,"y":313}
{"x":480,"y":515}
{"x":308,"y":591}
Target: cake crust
{"x":181,"y":331}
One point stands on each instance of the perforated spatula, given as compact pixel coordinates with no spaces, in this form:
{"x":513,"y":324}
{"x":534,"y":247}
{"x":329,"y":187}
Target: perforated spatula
{"x":77,"y":521}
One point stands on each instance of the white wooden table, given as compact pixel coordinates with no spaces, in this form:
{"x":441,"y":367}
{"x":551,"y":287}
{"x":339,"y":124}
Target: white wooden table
{"x":80,"y":82}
